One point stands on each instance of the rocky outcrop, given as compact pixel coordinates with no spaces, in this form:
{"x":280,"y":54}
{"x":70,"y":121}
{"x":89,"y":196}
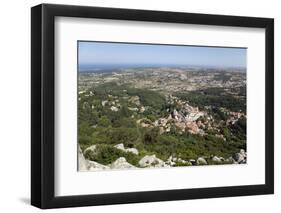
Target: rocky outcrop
{"x":121,"y":163}
{"x":151,"y":161}
{"x":216,"y":159}
{"x":201,"y":161}
{"x":243,"y":153}
{"x":240,"y":157}
{"x":94,"y":166}
{"x":87,"y":165}
{"x":90,"y":152}
{"x":91,"y":149}
{"x":132,"y":150}
{"x":82,"y":162}
{"x":121,"y":147}
{"x":192,"y":161}
{"x":114,"y":109}
{"x":173,"y":161}
{"x":170,"y":161}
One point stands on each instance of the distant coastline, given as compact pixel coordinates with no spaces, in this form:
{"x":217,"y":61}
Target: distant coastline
{"x":119,"y":67}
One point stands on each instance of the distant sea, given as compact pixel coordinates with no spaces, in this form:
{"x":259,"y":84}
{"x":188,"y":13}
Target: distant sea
{"x":99,"y":67}
{"x":115,"y":67}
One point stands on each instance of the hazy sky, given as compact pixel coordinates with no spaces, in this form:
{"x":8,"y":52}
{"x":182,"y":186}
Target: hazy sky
{"x":93,"y":53}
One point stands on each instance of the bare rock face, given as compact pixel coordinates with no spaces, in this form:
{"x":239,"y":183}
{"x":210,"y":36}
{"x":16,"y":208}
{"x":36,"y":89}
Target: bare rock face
{"x":151,"y":161}
{"x":170,"y":161}
{"x":192,"y":161}
{"x":241,"y":157}
{"x":90,"y":149}
{"x":86,"y":165}
{"x":121,"y":163}
{"x":132,"y":150}
{"x":216,"y":159}
{"x":114,"y":109}
{"x":94,"y":166}
{"x":121,"y":147}
{"x":201,"y":161}
{"x":243,"y":153}
{"x":82,"y":162}
{"x":238,"y":158}
{"x":222,"y":158}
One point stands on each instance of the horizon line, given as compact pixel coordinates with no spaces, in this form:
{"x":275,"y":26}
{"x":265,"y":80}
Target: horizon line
{"x":158,"y":65}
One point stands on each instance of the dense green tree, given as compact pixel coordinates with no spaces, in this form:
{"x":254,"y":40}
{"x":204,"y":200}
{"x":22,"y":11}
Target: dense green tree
{"x":104,"y":122}
{"x":150,"y":136}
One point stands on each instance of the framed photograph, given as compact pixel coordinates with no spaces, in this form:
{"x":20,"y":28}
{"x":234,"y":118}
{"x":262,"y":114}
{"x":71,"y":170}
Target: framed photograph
{"x":139,"y":106}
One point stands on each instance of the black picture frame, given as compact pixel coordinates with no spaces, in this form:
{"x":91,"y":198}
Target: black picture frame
{"x":43,"y":102}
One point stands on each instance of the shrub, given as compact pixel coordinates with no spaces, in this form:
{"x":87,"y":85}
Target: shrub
{"x":150,"y":136}
{"x":107,"y":154}
{"x":127,"y":136}
{"x":84,"y":140}
{"x":104,"y":122}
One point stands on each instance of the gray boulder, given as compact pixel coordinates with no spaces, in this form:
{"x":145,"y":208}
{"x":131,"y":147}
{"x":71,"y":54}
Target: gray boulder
{"x":192,"y":161}
{"x":170,"y":161}
{"x":151,"y":161}
{"x":94,"y":166}
{"x":87,"y":165}
{"x":221,"y":158}
{"x":121,"y":163}
{"x":243,"y":153}
{"x":238,"y":157}
{"x":121,"y":147}
{"x":181,"y":160}
{"x":201,"y":161}
{"x":216,"y":159}
{"x":132,"y":150}
{"x":91,"y":149}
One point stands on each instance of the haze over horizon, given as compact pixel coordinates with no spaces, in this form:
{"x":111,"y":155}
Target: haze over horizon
{"x":108,"y":55}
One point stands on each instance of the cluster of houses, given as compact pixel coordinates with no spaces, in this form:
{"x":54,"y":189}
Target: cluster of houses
{"x":234,"y":117}
{"x":185,"y":119}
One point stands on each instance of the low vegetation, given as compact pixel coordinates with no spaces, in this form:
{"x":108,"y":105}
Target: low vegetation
{"x":104,"y":126}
